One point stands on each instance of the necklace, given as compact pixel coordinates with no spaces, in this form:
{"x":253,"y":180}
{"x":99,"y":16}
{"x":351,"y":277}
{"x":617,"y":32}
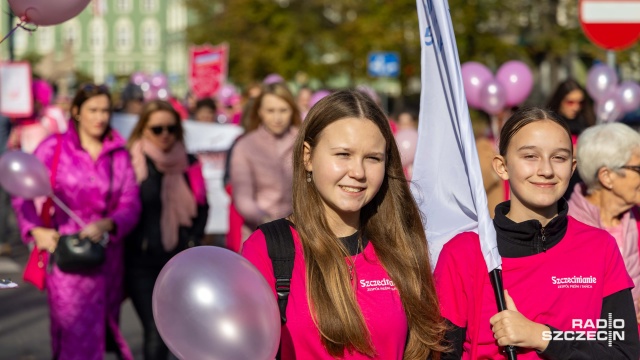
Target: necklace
{"x":352,"y":264}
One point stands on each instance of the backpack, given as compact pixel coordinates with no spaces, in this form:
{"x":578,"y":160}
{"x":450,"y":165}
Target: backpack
{"x":282,"y":253}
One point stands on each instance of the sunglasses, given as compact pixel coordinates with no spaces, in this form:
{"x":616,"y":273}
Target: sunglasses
{"x":573,"y":102}
{"x":158,"y":130}
{"x":635,"y":168}
{"x":94,"y":88}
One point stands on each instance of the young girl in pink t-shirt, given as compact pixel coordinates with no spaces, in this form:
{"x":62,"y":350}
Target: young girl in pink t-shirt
{"x":566,"y":288}
{"x":361,"y":286}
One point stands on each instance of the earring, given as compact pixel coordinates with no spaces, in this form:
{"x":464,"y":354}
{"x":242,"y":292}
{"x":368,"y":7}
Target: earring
{"x":308,"y":176}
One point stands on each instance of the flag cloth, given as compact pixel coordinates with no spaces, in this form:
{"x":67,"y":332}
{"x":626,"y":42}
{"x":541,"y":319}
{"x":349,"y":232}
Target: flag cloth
{"x":447,"y":182}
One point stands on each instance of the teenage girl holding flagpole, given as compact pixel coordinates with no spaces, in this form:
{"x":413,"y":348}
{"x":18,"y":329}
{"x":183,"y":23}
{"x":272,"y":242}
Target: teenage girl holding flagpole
{"x":560,"y":275}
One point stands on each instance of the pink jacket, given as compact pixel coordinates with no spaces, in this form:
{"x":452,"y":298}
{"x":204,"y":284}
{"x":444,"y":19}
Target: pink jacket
{"x":261,"y":175}
{"x":83,"y":306}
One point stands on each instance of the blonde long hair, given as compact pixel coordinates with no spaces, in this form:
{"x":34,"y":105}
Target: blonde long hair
{"x":391,"y":222}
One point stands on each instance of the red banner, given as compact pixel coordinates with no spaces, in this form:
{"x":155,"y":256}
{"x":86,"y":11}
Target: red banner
{"x":208,"y":69}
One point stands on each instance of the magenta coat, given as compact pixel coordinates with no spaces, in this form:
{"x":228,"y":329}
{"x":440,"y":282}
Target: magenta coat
{"x":83,"y":306}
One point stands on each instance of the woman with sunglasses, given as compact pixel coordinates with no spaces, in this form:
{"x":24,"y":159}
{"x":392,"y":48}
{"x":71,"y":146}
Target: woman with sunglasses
{"x":260,"y":165}
{"x":609,"y":158}
{"x":95,"y":179}
{"x":174,"y":209}
{"x":571,"y":102}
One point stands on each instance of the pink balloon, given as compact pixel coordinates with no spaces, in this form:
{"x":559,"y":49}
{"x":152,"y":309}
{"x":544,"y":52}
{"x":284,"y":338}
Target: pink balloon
{"x":609,"y":109}
{"x":139,"y":78}
{"x":211,"y":303}
{"x":600,"y":81}
{"x":474,"y":75}
{"x":23,"y":175}
{"x":629,"y":96}
{"x":158,"y":80}
{"x":47,"y":12}
{"x":493,"y":97}
{"x":272,"y":79}
{"x":517,"y":80}
{"x":317,"y":96}
{"x":407,"y":140}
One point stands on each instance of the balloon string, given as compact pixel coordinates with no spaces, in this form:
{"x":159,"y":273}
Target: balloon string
{"x":69,"y":212}
{"x":22,"y":24}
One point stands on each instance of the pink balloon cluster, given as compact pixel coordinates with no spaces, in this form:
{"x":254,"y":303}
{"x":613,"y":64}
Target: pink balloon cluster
{"x":510,"y":87}
{"x":47,"y":12}
{"x":612,"y":100}
{"x":154,"y":86}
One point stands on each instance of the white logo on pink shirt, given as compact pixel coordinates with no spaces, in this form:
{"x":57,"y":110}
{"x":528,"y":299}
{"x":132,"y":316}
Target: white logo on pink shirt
{"x":377,"y":285}
{"x":574,"y":282}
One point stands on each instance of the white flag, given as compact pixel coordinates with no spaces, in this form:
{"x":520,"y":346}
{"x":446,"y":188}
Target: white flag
{"x":446,"y":175}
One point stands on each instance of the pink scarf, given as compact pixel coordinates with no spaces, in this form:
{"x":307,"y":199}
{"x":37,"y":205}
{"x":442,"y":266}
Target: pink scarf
{"x":178,"y":203}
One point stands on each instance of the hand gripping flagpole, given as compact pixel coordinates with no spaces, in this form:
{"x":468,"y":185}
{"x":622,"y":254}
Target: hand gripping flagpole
{"x":446,"y":148}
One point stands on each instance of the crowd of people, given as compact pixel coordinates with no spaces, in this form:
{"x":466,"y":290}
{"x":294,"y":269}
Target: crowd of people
{"x":362,"y":285}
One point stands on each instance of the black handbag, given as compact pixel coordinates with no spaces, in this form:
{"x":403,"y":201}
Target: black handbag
{"x":74,"y":254}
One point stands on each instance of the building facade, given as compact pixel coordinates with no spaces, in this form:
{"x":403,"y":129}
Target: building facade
{"x":113,"y":38}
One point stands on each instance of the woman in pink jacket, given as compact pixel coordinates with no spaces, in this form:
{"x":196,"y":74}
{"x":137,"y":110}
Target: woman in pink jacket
{"x":261,"y":169}
{"x":95,"y":179}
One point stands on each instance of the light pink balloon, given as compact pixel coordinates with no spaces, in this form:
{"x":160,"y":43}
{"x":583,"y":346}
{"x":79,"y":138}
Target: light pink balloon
{"x":211,"y":303}
{"x":23,"y":175}
{"x":517,"y":80}
{"x":609,"y":109}
{"x":47,"y":12}
{"x":629,"y":95}
{"x":601,"y":80}
{"x":474,"y":75}
{"x":407,"y":140}
{"x":493,"y":97}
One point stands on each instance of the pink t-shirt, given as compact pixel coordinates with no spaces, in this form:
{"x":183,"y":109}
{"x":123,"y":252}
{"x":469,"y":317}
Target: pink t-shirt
{"x":564,"y":283}
{"x":378,"y":298}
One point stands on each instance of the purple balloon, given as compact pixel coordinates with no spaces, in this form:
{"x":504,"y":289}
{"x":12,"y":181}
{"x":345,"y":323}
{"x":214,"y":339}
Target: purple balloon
{"x":47,"y":12}
{"x":601,"y":80}
{"x":474,"y":75}
{"x":609,"y":109}
{"x":407,"y":140}
{"x":23,"y":175}
{"x":517,"y":80}
{"x":138,"y":78}
{"x":629,"y":95}
{"x":272,"y":79}
{"x":317,"y":96}
{"x":493,"y":97}
{"x":158,"y":80}
{"x":211,"y":303}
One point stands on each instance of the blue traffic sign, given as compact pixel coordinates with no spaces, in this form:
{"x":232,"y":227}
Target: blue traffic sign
{"x":383,"y":64}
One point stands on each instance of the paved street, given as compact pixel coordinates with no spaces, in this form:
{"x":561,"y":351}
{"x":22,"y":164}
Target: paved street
{"x":24,"y":317}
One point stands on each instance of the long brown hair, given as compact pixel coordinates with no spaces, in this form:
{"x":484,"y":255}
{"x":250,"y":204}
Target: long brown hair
{"x":523,"y":117}
{"x":148,"y":109}
{"x":280,"y":90}
{"x":391,"y":222}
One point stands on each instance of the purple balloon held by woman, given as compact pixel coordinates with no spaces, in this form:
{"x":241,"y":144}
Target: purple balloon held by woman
{"x":23,"y":175}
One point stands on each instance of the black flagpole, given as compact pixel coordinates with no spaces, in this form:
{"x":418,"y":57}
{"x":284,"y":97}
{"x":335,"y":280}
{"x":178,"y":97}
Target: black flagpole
{"x":498,"y":290}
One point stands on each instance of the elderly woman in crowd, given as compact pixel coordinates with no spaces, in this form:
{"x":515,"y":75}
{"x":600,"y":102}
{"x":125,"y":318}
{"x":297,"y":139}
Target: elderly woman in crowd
{"x":609,"y":165}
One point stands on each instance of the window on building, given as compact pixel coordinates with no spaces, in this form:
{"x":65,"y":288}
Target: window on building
{"x":123,"y":35}
{"x":149,"y":6}
{"x":71,"y":34}
{"x":97,"y":34}
{"x":150,"y":32}
{"x":124,"y":6}
{"x":45,"y":39}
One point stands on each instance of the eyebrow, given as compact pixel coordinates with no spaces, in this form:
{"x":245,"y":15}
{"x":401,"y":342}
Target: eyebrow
{"x":349,"y":150}
{"x":533,"y":147}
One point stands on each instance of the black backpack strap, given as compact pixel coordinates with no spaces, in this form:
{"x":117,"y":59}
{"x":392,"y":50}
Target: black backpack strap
{"x":282,"y":253}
